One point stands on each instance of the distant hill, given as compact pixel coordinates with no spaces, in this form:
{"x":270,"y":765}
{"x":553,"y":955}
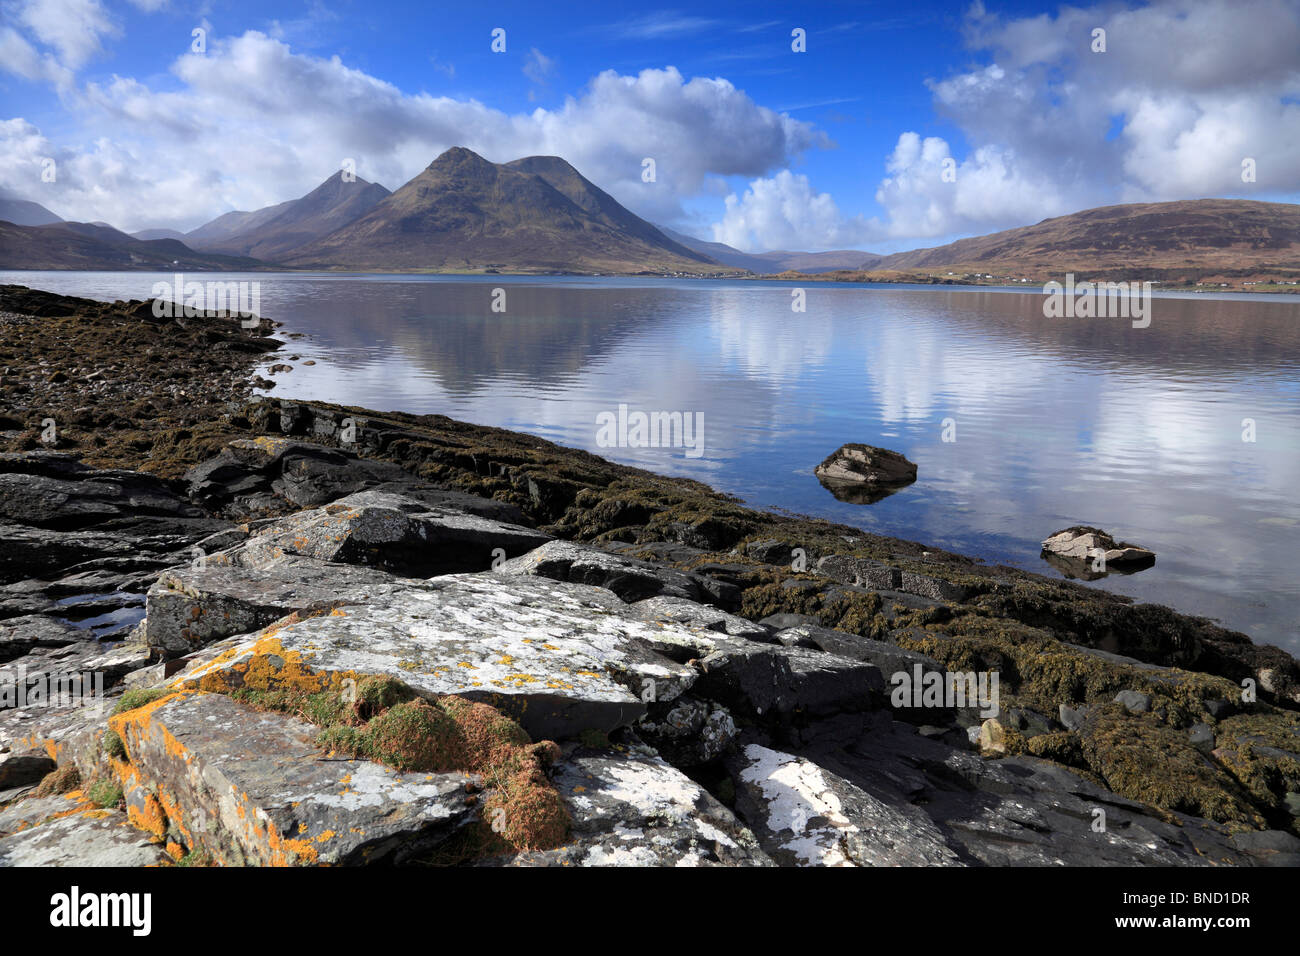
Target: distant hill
{"x":764,"y":263}
{"x":271,"y":232}
{"x":464,"y":213}
{"x":159,"y":234}
{"x":23,"y":213}
{"x":83,"y":245}
{"x":1168,"y":239}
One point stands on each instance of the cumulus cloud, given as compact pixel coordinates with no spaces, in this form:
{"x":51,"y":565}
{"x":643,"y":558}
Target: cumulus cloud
{"x":784,"y":212}
{"x":1184,"y":92}
{"x":254,"y":122}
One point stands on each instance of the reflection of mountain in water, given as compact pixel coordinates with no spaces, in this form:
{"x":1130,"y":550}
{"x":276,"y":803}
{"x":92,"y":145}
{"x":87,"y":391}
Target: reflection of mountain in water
{"x":546,"y":335}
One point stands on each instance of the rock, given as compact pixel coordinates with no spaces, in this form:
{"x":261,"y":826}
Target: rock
{"x":681,"y":611}
{"x":1134,"y":701}
{"x":1072,"y":717}
{"x":23,"y":769}
{"x":269,"y":475}
{"x":20,"y":635}
{"x":561,"y":658}
{"x":1083,"y":545}
{"x":784,"y":622}
{"x":889,"y":658}
{"x":1201,"y":736}
{"x":1029,"y":723}
{"x":770,"y":552}
{"x":864,"y":474}
{"x":688,"y":731}
{"x":631,"y":579}
{"x":253,"y":788}
{"x":54,"y":491}
{"x":633,"y":809}
{"x":878,"y":576}
{"x":860,"y":572}
{"x":195,"y":605}
{"x":773,"y":682}
{"x":393,"y":532}
{"x":89,"y":837}
{"x":804,"y":815}
{"x":992,"y":737}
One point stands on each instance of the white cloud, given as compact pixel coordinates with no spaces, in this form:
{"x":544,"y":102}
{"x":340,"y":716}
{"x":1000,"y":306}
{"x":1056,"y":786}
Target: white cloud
{"x":783,"y":212}
{"x":254,"y":123}
{"x":1190,"y":87}
{"x":72,"y":27}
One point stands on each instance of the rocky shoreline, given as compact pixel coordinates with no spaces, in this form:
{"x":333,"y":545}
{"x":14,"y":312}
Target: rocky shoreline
{"x":332,"y":635}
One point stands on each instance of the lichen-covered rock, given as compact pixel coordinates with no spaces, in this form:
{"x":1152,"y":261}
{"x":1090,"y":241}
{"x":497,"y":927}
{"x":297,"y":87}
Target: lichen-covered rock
{"x":253,"y":787}
{"x":393,"y":532}
{"x":629,"y":578}
{"x":632,"y":809}
{"x":197,"y":604}
{"x":682,"y":611}
{"x":90,"y":836}
{"x":804,"y":815}
{"x":559,"y":658}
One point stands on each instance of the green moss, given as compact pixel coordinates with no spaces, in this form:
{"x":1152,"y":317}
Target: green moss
{"x":138,"y":697}
{"x":105,"y":793}
{"x":595,"y":739}
{"x":112,"y":744}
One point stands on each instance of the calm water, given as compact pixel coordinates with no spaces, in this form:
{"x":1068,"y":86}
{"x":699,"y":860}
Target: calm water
{"x":1057,"y":422}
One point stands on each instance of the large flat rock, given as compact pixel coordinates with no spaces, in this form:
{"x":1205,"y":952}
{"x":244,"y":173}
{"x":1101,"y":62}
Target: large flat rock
{"x":394,"y":532}
{"x":195,"y":605}
{"x":253,"y":787}
{"x":86,"y":837}
{"x":805,"y":815}
{"x":560,"y":658}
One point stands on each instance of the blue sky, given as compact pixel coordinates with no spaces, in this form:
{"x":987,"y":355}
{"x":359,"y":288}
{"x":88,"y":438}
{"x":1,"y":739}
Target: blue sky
{"x":844,"y":145}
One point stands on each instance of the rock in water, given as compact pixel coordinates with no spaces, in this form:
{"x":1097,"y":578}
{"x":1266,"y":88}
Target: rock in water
{"x":863,"y":474}
{"x":1091,"y":553}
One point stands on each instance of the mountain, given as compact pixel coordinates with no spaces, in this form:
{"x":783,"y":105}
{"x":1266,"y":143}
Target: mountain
{"x":766,"y":263}
{"x":464,"y":213}
{"x":1199,"y":237}
{"x":23,"y":213}
{"x":84,"y":245}
{"x":271,"y":232}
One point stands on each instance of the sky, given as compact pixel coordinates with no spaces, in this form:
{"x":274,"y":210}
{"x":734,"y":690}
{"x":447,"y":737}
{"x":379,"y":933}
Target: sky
{"x":897,"y":126}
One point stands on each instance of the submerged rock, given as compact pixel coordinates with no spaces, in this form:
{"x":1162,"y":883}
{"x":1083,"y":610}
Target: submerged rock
{"x":864,"y":474}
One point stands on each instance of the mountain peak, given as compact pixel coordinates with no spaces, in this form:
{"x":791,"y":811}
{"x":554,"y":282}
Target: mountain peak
{"x":459,"y":156}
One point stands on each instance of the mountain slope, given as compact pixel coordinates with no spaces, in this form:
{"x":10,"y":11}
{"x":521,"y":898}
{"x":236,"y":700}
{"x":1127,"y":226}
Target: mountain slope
{"x":1198,"y":235}
{"x":83,"y":245}
{"x":271,"y":232}
{"x":765,"y":263}
{"x":24,"y":213}
{"x":463,"y":213}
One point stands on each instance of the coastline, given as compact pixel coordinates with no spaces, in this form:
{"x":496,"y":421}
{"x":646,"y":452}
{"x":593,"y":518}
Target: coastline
{"x":162,"y":398}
